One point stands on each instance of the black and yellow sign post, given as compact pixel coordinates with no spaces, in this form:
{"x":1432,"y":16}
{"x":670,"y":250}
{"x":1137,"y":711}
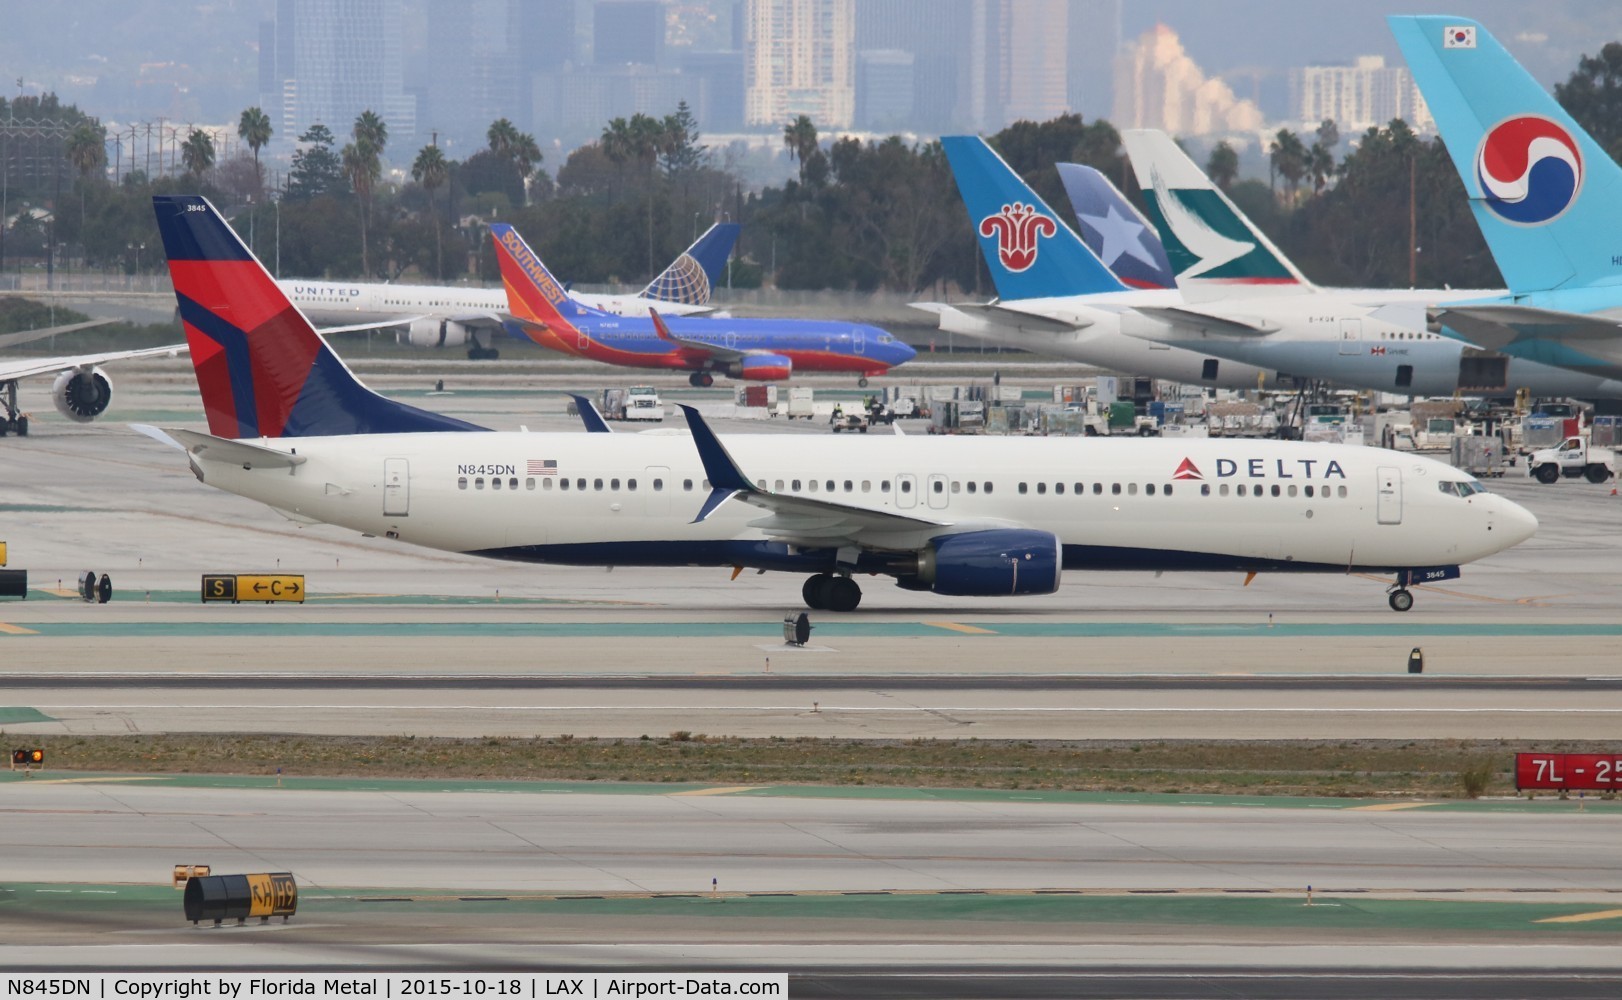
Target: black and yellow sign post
{"x":239,"y":587}
{"x":238,"y":897}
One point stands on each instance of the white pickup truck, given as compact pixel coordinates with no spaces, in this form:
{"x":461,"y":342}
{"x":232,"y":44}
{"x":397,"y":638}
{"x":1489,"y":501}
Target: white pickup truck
{"x":1574,"y":457}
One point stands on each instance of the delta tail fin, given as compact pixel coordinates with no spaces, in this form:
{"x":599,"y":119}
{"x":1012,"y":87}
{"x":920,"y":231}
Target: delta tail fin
{"x":1115,"y":230}
{"x":262,"y":369}
{"x":1547,"y":197}
{"x":692,"y":277}
{"x":1209,"y":241}
{"x":1031,"y":253}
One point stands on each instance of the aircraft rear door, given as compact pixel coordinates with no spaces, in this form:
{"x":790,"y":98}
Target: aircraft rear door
{"x":938,"y":487}
{"x":906,"y":491}
{"x":1389,"y":502}
{"x":396,"y":487}
{"x":1351,"y":336}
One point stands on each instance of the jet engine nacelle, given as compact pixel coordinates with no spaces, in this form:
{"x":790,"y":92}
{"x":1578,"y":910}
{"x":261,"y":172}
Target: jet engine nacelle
{"x":82,"y":394}
{"x":437,"y":333}
{"x":993,"y":563}
{"x":763,"y":368}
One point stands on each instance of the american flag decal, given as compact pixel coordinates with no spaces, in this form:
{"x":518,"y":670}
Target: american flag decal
{"x":542,"y":467}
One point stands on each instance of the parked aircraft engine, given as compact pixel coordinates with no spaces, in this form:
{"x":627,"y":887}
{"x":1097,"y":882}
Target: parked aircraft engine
{"x":437,"y":333}
{"x":82,"y":395}
{"x":763,"y":368}
{"x":993,"y":563}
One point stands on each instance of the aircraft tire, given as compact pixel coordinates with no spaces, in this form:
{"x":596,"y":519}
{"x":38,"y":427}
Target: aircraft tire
{"x":22,"y":432}
{"x":815,"y":592}
{"x":843,"y":594}
{"x":692,"y":379}
{"x":1400,"y":600}
{"x":861,"y":383}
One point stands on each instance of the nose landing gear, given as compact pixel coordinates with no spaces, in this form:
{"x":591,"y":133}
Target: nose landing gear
{"x":827,"y":592}
{"x":1399,"y":597}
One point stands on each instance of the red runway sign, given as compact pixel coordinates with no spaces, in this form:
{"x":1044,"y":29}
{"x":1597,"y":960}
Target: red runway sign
{"x":1575,"y":772}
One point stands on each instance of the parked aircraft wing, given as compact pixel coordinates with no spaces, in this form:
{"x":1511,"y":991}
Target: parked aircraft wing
{"x":23,"y":368}
{"x":1201,"y":321}
{"x":30,"y":336}
{"x":1003,"y":315}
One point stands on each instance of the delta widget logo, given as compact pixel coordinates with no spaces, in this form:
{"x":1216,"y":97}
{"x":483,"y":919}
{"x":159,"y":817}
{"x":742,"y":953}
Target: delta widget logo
{"x":1018,"y":228}
{"x":1188,"y":470}
{"x":1529,"y":170}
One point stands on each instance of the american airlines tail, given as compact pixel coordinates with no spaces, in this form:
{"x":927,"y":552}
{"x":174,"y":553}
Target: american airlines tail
{"x":261,"y":368}
{"x":692,"y":277}
{"x":1115,"y":230}
{"x":1547,"y":197}
{"x":1209,"y":241}
{"x":1031,"y":253}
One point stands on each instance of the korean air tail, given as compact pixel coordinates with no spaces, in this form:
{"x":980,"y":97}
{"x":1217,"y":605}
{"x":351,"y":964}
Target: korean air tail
{"x":1547,"y":197}
{"x":691,"y":278}
{"x":262,"y":369}
{"x":1031,"y":253}
{"x":1208,"y":239}
{"x":1115,"y":230}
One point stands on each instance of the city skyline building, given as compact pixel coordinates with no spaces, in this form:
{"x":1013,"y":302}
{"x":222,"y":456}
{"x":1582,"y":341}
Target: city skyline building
{"x":1157,"y":85}
{"x":799,"y":59}
{"x":1364,"y":95}
{"x":333,"y":60}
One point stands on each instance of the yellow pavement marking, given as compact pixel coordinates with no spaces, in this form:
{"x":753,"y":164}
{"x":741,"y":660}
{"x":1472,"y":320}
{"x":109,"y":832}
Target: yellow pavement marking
{"x":1581,"y":918}
{"x":727,"y":790}
{"x":16,"y":630}
{"x":1390,"y":807}
{"x":61,"y":592}
{"x":955,"y":627}
{"x":91,"y":781}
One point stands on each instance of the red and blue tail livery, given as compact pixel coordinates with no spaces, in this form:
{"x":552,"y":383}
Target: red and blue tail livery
{"x":262,"y":369}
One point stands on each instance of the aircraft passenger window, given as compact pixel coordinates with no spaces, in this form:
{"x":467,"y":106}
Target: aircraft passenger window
{"x":779,"y":486}
{"x":1292,"y":491}
{"x":705,"y":483}
{"x":597,"y":484}
{"x":796,"y":486}
{"x":1166,"y":490}
{"x":1309,"y":491}
{"x":461,"y":483}
{"x":760,"y":484}
{"x":1058,"y":488}
{"x":478,"y":483}
{"x":1042,"y":488}
{"x":1257,"y":492}
{"x":850,"y":487}
{"x":1115,"y":489}
{"x":1149,"y":488}
{"x":867,"y":485}
{"x":1098,"y":489}
{"x":829,"y":486}
{"x":512,"y":483}
{"x":1132,"y":489}
{"x":1078,"y":489}
{"x":884,"y":486}
{"x":973,"y":486}
{"x":940,"y":487}
{"x":546,"y":484}
{"x":495,"y":482}
{"x":1343,"y":492}
{"x":659,"y":485}
{"x":1276,"y":490}
{"x":580,"y":484}
{"x":529,"y":484}
{"x":1241,"y":489}
{"x":687,"y":484}
{"x":614,"y":484}
{"x":906,"y":486}
{"x":1224,"y":489}
{"x":957,"y":487}
{"x":1023,"y":488}
{"x":630,"y":484}
{"x":811,"y":486}
{"x":988,"y":487}
{"x":563,"y":484}
{"x":1205,"y":489}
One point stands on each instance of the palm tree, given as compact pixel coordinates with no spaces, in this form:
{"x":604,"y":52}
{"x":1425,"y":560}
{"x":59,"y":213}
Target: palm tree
{"x":254,"y":129}
{"x":361,"y":166}
{"x":370,"y":127}
{"x":518,"y":148}
{"x":1289,"y":159}
{"x":431,"y":171}
{"x":86,"y":150}
{"x":502,"y":136}
{"x":1223,"y":166}
{"x":800,"y":136}
{"x":1321,"y":165}
{"x":197,"y":152}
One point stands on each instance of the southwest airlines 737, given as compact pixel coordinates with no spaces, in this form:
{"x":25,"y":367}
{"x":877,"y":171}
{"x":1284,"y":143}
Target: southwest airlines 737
{"x":291,"y":427}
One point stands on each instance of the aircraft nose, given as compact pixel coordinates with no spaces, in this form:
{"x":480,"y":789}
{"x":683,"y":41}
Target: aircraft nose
{"x":1516,"y":522}
{"x":904,"y":352}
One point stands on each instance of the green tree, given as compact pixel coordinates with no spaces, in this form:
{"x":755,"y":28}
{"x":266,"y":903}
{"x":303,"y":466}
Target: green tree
{"x":516,"y":149}
{"x":87,"y":151}
{"x":362,"y":167}
{"x":1287,"y":158}
{"x":800,"y":136}
{"x":1223,"y":165}
{"x":683,"y":151}
{"x":255,"y":130}
{"x":197,"y":152}
{"x":317,"y":171}
{"x":431,"y":170}
{"x":1593,"y":96}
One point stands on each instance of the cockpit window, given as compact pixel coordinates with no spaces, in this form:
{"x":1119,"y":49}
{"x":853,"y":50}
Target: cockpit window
{"x":1468,"y":488}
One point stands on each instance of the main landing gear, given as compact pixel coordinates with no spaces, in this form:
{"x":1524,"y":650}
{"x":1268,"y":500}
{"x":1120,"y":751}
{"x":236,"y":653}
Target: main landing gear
{"x":700,"y":380}
{"x":861,"y":383}
{"x":1399,"y":597}
{"x":12,"y":420}
{"x":827,"y":592}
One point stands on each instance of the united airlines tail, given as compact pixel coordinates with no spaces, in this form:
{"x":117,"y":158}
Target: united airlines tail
{"x":691,"y":278}
{"x":1030,"y":252}
{"x":1114,"y":229}
{"x":1547,"y":197}
{"x":261,"y":368}
{"x":1207,"y":238}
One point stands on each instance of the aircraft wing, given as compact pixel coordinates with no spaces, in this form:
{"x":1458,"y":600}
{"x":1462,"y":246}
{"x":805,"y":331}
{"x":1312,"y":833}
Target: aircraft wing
{"x":709,"y":351}
{"x":1001,"y":315}
{"x":808,"y":521}
{"x":1495,"y":327}
{"x":29,"y":336}
{"x":485,"y":320}
{"x":10,"y":371}
{"x":1200,"y":321}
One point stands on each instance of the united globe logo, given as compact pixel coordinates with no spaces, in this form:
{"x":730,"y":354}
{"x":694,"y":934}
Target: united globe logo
{"x":1529,"y":169}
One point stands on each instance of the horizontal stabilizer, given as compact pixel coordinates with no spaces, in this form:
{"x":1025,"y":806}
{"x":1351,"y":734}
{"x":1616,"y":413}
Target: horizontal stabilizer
{"x":208,"y":448}
{"x":1205,"y":322}
{"x":1001,"y":315}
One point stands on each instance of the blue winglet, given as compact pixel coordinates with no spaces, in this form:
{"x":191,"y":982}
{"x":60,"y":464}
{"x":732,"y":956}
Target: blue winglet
{"x":595,"y":424}
{"x":726,"y":479}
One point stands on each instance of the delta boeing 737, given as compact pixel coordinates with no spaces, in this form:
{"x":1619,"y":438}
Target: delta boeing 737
{"x":970,"y":517}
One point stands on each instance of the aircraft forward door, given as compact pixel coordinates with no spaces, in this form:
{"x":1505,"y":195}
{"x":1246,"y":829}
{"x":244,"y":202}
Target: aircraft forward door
{"x":1389,"y":497}
{"x":939,"y":491}
{"x":906,"y":491}
{"x":858,"y":340}
{"x":658,"y":487}
{"x":396,"y":487}
{"x":1351,"y":336}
